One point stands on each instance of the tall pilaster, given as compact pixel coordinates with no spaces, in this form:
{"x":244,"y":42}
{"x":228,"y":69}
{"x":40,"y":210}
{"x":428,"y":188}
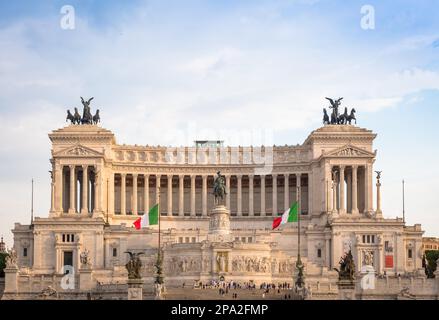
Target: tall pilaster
{"x":354,"y":189}
{"x":251,"y":210}
{"x":263,"y":213}
{"x":135,"y":208}
{"x":274,"y":188}
{"x":368,"y":201}
{"x":334,"y":186}
{"x":146,"y":193}
{"x":286,"y":191}
{"x":181,"y":195}
{"x":123,"y":194}
{"x":310,"y":193}
{"x":72,"y":208}
{"x":204,"y":196}
{"x":59,"y":189}
{"x":193,"y":195}
{"x":342,"y":190}
{"x":239,"y":196}
{"x":169,"y":195}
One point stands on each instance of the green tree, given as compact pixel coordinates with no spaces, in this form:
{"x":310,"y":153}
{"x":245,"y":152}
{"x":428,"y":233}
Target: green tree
{"x":2,"y":264}
{"x":432,"y":256}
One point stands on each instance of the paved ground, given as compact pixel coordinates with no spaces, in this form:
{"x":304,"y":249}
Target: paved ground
{"x":213,"y":294}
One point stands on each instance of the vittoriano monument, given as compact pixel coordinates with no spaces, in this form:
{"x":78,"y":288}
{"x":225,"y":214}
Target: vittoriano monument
{"x":87,"y":117}
{"x":336,"y":117}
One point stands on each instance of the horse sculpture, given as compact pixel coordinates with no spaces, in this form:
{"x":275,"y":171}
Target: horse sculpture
{"x":325,"y":116}
{"x":342,"y":119}
{"x":352,"y":116}
{"x":77,"y":116}
{"x":70,"y":117}
{"x":96,"y":117}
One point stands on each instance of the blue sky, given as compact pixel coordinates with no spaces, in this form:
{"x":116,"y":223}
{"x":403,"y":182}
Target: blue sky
{"x":168,"y":72}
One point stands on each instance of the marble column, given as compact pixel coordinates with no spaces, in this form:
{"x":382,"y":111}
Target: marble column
{"x":239,"y":196}
{"x":135,"y":209}
{"x":228,"y":191}
{"x":204,"y":196}
{"x":274,"y":188}
{"x":146,"y":193}
{"x":310,"y":193}
{"x":286,"y":191}
{"x":251,"y":210}
{"x":181,"y":195}
{"x":334,"y":192}
{"x":84,"y":209}
{"x":123,"y":186}
{"x":368,"y":194}
{"x":354,"y":190}
{"x":378,"y":210}
{"x":96,"y":191}
{"x":342,"y":190}
{"x":193,"y":195}
{"x":169,"y":198}
{"x":263,"y":213}
{"x":72,"y":208}
{"x":59,"y":187}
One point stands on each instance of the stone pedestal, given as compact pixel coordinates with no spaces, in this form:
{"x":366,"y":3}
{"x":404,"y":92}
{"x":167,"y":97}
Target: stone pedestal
{"x":219,"y":225}
{"x":86,"y":279}
{"x":11,"y":280}
{"x":135,"y":289}
{"x":346,"y":290}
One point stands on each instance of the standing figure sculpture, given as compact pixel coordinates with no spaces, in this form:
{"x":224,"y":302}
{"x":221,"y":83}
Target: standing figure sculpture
{"x":134,"y":265}
{"x":335,"y":104}
{"x":87,"y":118}
{"x":219,"y":188}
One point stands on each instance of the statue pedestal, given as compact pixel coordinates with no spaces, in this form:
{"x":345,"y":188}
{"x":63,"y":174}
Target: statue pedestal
{"x":85,"y":278}
{"x":135,"y":289}
{"x":346,"y":290}
{"x":219,"y":225}
{"x":11,"y":280}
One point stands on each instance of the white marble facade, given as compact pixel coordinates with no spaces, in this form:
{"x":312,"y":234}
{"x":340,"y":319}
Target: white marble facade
{"x":99,"y":188}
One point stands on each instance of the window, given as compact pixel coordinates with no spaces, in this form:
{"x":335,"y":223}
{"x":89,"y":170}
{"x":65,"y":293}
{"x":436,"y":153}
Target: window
{"x":319,"y":253}
{"x":364,"y":238}
{"x":63,"y":238}
{"x":68,"y":259}
{"x":243,"y":239}
{"x":114,"y":252}
{"x":236,"y":238}
{"x":373,"y":238}
{"x":193,"y":239}
{"x":180,"y":240}
{"x":186,"y":239}
{"x":410,"y":254}
{"x":249,"y":240}
{"x":24,"y":252}
{"x":367,"y":238}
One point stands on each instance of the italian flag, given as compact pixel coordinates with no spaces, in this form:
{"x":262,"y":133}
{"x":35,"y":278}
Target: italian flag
{"x":148,"y":219}
{"x":290,"y":215}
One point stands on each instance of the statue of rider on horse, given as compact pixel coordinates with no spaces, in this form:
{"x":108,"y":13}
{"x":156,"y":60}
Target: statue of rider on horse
{"x":219,"y":188}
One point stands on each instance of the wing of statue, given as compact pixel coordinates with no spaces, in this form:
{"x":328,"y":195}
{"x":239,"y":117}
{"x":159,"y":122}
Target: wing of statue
{"x":130,"y":253}
{"x":88,"y":102}
{"x":330,"y":100}
{"x":82,"y":100}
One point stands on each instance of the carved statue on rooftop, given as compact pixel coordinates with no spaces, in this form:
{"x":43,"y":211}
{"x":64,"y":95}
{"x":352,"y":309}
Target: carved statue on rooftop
{"x":336,"y":117}
{"x":87,"y":117}
{"x":134,"y":265}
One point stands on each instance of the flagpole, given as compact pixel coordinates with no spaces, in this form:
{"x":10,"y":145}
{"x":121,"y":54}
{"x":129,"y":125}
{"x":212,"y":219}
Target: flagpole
{"x":32,"y":204}
{"x":403,"y":201}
